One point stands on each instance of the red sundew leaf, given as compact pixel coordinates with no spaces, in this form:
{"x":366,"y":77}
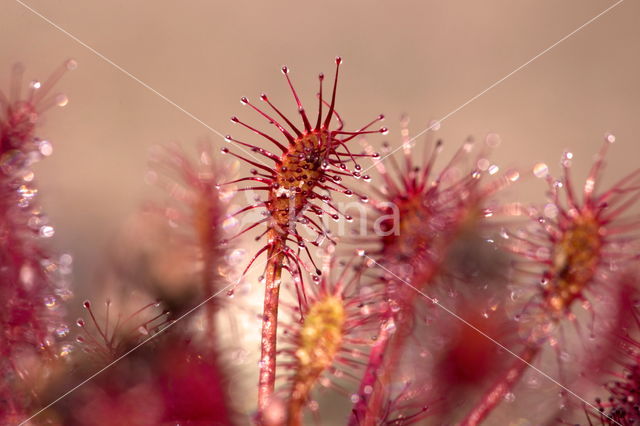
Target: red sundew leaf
{"x":308,"y":161}
{"x":579,"y":248}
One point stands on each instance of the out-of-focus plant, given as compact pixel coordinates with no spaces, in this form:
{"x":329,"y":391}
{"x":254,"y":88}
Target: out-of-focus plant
{"x":33,"y":286}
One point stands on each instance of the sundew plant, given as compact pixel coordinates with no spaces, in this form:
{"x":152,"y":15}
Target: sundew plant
{"x":398,"y":284}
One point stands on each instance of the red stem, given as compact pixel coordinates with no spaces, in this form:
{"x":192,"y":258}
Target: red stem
{"x":368,"y":405}
{"x":497,"y":392}
{"x":384,"y":356}
{"x":207,"y":287}
{"x":267,"y":377}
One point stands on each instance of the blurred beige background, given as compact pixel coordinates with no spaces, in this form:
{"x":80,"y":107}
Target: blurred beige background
{"x":424,"y":58}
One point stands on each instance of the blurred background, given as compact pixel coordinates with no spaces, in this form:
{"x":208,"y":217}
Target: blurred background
{"x":423,"y":58}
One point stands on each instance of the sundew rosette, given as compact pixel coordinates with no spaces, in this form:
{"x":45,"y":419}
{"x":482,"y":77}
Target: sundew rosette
{"x":568,"y":269}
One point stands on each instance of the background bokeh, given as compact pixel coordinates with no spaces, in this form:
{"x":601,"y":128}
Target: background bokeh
{"x":424,"y":58}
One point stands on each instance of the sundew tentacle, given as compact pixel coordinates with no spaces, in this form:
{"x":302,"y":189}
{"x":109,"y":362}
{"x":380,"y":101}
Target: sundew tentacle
{"x":112,"y":338}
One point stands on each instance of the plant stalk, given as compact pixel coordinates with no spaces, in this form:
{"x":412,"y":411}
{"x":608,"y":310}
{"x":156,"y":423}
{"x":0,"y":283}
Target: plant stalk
{"x":497,"y":392}
{"x":368,"y":406}
{"x":267,"y":375}
{"x":386,"y":352}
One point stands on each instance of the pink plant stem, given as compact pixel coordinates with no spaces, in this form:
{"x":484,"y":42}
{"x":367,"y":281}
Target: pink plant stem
{"x":385,"y":354}
{"x":369,"y":403}
{"x":267,"y":375}
{"x":207,"y":287}
{"x":505,"y":384}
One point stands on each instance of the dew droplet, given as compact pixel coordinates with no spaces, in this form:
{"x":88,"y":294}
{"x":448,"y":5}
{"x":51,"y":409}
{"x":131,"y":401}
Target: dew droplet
{"x":50,"y":302}
{"x":540,"y":170}
{"x":510,"y":397}
{"x":62,"y":100}
{"x":66,"y":259}
{"x":65,"y":350}
{"x":483,"y":164}
{"x":589,"y":185}
{"x":62,"y":331}
{"x":230,"y":223}
{"x":236,"y":256}
{"x":610,"y":138}
{"x":45,"y":147}
{"x":71,"y":64}
{"x":493,"y":140}
{"x":513,"y":175}
{"x":550,"y":210}
{"x":46,"y":231}
{"x":390,"y":326}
